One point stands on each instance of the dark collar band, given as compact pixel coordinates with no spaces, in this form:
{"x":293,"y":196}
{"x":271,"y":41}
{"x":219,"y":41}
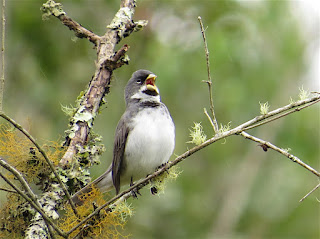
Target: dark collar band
{"x":150,"y":104}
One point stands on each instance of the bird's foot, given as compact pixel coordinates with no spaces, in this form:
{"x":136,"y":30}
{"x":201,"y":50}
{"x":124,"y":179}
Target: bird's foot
{"x":161,"y":166}
{"x":154,"y":190}
{"x":134,"y":192}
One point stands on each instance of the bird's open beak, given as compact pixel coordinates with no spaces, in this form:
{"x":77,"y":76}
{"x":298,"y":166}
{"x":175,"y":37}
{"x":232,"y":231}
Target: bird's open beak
{"x":150,"y":83}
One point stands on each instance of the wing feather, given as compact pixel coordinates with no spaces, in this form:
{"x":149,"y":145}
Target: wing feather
{"x":121,"y":136}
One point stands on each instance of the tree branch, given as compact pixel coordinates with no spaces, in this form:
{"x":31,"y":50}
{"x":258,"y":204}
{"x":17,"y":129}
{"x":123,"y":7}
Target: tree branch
{"x":29,"y":136}
{"x":209,"y":81}
{"x":308,"y":194}
{"x":286,"y":110}
{"x":21,"y":179}
{"x":51,"y":8}
{"x":3,"y":29}
{"x":30,"y":197}
{"x":107,"y":61}
{"x":266,"y":145}
{"x":279,"y":113}
{"x":79,"y":30}
{"x":7,"y":190}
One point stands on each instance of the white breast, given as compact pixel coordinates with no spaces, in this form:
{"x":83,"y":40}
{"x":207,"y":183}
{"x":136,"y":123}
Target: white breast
{"x":149,"y":144}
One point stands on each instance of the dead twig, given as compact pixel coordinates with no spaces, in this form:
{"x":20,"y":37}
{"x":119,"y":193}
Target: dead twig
{"x":309,"y":193}
{"x":213,"y":121}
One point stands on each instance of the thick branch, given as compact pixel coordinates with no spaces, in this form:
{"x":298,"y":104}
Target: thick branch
{"x":107,"y":61}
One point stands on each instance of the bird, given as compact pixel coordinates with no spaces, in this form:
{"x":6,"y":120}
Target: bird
{"x":144,"y":137}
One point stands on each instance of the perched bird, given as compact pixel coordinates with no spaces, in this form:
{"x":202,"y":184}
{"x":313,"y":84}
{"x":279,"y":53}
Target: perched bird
{"x":144,"y":137}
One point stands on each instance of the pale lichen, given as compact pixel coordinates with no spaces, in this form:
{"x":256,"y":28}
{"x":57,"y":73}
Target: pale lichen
{"x":139,"y":25}
{"x":124,"y":210}
{"x":264,"y":108}
{"x":68,"y":110}
{"x":224,"y":128}
{"x":51,"y":8}
{"x":159,"y":183}
{"x":197,"y":135}
{"x":303,"y":94}
{"x":121,"y":20}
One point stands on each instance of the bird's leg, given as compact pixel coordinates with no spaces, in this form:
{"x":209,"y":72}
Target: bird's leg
{"x":135,"y":192}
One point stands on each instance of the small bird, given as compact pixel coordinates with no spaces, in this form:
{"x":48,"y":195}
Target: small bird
{"x":144,"y":137}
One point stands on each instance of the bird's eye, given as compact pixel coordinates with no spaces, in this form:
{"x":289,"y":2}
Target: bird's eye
{"x":139,"y":81}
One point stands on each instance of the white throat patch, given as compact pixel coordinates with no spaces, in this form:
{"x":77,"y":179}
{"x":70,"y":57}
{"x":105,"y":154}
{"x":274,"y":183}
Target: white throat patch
{"x":145,"y":97}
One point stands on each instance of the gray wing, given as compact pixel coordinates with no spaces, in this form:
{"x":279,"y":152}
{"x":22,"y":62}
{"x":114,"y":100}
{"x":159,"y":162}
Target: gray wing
{"x":120,"y":140}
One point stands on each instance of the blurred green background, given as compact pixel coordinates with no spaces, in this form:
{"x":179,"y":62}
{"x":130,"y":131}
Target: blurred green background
{"x":259,"y":51}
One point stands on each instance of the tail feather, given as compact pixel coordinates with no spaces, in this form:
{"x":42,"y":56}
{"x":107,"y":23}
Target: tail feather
{"x":103,"y":183}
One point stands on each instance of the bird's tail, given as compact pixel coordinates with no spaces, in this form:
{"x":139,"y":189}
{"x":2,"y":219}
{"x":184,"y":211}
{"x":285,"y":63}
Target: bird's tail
{"x":104,"y":183}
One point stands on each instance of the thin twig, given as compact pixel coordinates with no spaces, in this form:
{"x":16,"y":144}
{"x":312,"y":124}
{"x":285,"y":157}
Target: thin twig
{"x":281,"y":151}
{"x":283,"y":114}
{"x":2,"y":79}
{"x":7,"y":190}
{"x":208,"y":116}
{"x":27,"y":188}
{"x":34,"y":205}
{"x":294,"y":107}
{"x":26,"y":133}
{"x":308,"y":194}
{"x":80,"y":231}
{"x":51,"y":233}
{"x":30,"y":197}
{"x":18,"y":175}
{"x":209,"y":81}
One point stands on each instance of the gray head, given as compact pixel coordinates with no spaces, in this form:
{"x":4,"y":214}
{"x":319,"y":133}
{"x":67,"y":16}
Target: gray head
{"x":141,"y":86}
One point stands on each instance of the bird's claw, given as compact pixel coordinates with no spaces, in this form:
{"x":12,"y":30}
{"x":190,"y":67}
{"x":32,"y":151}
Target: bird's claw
{"x":135,"y":192}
